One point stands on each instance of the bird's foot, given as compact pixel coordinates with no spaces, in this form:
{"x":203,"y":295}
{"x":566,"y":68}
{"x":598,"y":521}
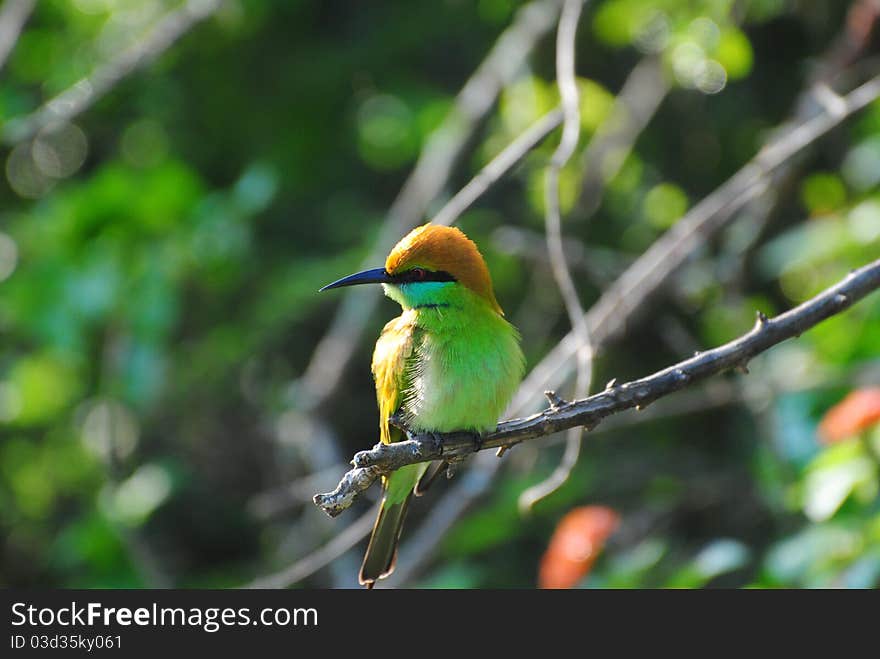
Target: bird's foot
{"x":436,"y":439}
{"x":398,"y":421}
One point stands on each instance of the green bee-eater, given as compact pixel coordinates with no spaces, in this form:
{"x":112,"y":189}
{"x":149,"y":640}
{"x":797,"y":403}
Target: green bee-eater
{"x":449,"y":362}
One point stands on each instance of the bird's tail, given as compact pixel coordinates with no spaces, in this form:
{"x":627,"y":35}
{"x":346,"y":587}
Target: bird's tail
{"x":382,"y":550}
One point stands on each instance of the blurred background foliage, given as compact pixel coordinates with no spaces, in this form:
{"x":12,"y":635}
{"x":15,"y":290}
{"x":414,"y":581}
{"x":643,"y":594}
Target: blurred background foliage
{"x":160,"y":256}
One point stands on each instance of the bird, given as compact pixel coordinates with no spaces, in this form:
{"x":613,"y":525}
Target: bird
{"x":449,"y":362}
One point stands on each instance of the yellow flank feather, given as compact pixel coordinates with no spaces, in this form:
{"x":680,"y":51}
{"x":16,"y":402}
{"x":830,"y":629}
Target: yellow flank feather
{"x":394,"y":347}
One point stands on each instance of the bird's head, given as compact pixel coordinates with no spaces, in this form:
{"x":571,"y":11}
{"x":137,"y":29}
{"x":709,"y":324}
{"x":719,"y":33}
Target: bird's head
{"x":428,"y":266}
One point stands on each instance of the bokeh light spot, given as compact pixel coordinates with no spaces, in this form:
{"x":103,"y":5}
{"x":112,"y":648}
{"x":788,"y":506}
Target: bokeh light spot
{"x":823,"y":193}
{"x":864,"y":221}
{"x":734,"y":52}
{"x":8,"y":256}
{"x":109,"y":430}
{"x":664,"y":204}
{"x":23,"y":174}
{"x":60,"y":152}
{"x":861,"y":167}
{"x":139,"y":495}
{"x":711,"y":78}
{"x":688,"y":61}
{"x":386,"y":131}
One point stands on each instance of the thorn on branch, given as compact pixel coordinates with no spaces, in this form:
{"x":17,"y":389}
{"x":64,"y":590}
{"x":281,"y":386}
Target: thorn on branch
{"x":611,"y":383}
{"x":555,"y":400}
{"x":761,"y":319}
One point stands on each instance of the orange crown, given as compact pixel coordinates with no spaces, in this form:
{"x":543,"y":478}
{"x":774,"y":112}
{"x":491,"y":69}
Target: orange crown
{"x":444,"y":249}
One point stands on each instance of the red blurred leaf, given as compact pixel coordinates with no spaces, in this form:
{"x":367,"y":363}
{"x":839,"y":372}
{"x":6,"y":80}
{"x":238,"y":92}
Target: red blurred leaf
{"x":858,"y":411}
{"x":576,"y":543}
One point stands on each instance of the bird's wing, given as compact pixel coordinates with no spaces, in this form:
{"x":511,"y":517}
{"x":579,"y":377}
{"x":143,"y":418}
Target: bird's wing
{"x":391,"y":357}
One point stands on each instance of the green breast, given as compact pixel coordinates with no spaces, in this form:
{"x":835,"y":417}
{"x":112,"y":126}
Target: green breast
{"x":466,"y":366}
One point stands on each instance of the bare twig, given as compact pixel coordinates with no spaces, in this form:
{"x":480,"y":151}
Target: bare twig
{"x":498,"y":167}
{"x":333,"y":353}
{"x":645,"y":88}
{"x":84,"y":93}
{"x":860,"y":26}
{"x":385,"y":458}
{"x":568,"y":92}
{"x":13,"y":15}
{"x":322,"y":556}
{"x":600,"y":264}
{"x":609,"y":316}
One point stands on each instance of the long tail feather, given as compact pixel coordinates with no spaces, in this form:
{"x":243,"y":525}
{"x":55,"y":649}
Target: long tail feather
{"x":382,"y":550}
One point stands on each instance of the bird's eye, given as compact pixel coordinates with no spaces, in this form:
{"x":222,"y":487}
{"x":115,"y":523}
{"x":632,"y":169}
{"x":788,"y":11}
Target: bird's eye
{"x":419,"y":273}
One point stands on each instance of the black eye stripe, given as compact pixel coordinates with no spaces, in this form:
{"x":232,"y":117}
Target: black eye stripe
{"x":420,"y":274}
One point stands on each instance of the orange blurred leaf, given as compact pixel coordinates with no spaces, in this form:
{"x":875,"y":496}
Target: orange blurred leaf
{"x":858,"y":411}
{"x":576,"y":543}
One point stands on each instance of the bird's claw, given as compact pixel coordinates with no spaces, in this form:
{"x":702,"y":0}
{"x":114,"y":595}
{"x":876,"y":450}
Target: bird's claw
{"x":436,"y":440}
{"x":397,"y":420}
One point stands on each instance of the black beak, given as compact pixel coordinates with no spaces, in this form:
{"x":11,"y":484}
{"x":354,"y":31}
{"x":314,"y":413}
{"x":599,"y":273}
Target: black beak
{"x":374,"y":276}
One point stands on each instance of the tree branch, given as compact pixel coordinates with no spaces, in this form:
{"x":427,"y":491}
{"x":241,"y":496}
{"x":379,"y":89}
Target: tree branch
{"x":319,"y":558}
{"x":84,"y":93}
{"x":385,"y":458}
{"x":13,"y":15}
{"x":570,"y":98}
{"x":498,"y":167}
{"x":608,"y":317}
